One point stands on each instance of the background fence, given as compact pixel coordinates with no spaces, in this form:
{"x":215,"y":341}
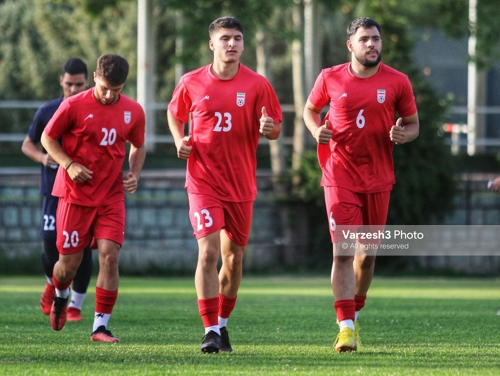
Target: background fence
{"x":159,"y":235}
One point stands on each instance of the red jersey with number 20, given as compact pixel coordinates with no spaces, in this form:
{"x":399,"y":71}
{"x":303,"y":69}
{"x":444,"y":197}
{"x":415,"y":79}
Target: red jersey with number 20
{"x":95,"y":136}
{"x":362,"y":112}
{"x":224,"y":130}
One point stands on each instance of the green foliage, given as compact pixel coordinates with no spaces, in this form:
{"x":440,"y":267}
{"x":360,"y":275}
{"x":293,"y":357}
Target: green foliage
{"x":454,"y":21}
{"x":407,"y":328}
{"x":23,"y":54}
{"x":38,"y":37}
{"x":309,"y":175}
{"x":198,"y":15}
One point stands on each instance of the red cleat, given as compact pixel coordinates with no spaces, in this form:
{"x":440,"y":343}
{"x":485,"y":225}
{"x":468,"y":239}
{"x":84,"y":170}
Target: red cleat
{"x":58,"y":313}
{"x":101,"y":334}
{"x":46,"y":299}
{"x":74,"y":314}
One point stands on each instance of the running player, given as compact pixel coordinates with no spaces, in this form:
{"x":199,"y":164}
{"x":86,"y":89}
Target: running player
{"x":94,"y":126}
{"x":73,"y":80}
{"x":230,"y":106}
{"x":355,"y":145}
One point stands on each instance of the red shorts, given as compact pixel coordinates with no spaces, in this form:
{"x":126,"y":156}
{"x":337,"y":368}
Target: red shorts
{"x":209,"y":214}
{"x":77,"y":224}
{"x":348,"y":210}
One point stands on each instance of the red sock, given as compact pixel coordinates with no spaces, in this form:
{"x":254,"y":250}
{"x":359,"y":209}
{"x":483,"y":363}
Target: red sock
{"x":226,"y":306}
{"x":345,"y":309}
{"x":105,"y":300}
{"x":208,"y":309}
{"x":60,"y":285}
{"x":360,"y":302}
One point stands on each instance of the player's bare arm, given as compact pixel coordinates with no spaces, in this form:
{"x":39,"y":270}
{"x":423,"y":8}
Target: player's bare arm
{"x":76,"y":171}
{"x":312,"y":118}
{"x":182,"y":142}
{"x":136,"y":159}
{"x":268,"y":127}
{"x":33,"y":152}
{"x":405,"y":130}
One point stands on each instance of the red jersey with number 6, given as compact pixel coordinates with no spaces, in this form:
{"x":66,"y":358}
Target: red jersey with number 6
{"x":95,"y":136}
{"x":362,"y":112}
{"x":224,"y":130}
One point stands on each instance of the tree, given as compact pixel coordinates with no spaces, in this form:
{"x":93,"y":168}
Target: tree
{"x":39,"y":36}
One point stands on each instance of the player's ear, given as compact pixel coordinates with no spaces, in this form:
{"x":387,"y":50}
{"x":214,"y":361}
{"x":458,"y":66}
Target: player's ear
{"x":349,"y":45}
{"x":211,"y":45}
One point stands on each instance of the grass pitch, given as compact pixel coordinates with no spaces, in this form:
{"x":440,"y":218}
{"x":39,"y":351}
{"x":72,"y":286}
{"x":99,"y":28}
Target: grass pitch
{"x":280,"y":326}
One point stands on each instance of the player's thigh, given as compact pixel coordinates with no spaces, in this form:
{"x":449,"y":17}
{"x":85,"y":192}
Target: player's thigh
{"x":238,"y":221}
{"x":344,"y":211}
{"x":109,"y":224}
{"x":74,"y":226}
{"x":206,"y":214}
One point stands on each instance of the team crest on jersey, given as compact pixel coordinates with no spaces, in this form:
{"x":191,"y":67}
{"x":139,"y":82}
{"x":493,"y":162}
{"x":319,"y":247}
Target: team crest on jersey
{"x":381,"y":96}
{"x":240,"y":99}
{"x":127,"y":116}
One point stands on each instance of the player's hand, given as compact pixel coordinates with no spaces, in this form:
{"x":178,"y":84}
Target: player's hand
{"x":48,"y":161}
{"x":323,"y":134}
{"x":397,"y":133}
{"x":266,"y":123}
{"x":184,"y":148}
{"x":79,"y":173}
{"x":130,"y":183}
{"x":495,"y":185}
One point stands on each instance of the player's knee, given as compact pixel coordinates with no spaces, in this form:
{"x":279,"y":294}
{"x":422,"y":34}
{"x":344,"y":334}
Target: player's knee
{"x":66,"y":271}
{"x":343,"y":260}
{"x":109,"y":259}
{"x":365,"y":262}
{"x":208,"y":256}
{"x":234,"y":259}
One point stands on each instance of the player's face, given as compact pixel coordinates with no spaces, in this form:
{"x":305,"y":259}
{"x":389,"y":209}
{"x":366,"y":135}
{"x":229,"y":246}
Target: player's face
{"x":73,"y":84}
{"x":366,"y":46}
{"x":227,"y":45}
{"x":105,"y":93}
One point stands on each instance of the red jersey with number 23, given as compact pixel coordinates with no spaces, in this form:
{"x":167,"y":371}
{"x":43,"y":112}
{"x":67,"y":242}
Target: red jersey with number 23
{"x":362,"y":112}
{"x":95,"y":136}
{"x":224,"y":130}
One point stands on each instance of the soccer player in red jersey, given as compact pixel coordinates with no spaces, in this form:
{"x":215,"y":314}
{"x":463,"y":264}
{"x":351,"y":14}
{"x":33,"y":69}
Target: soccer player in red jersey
{"x":94,"y":126}
{"x":73,"y":80}
{"x":230,"y":106}
{"x":355,"y":144}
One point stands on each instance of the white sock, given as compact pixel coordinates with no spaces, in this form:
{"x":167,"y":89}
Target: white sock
{"x":356,"y":315}
{"x":346,"y":324}
{"x":76,"y":300}
{"x":215,"y":328}
{"x":62,"y":293}
{"x":222,"y":322}
{"x":100,"y":319}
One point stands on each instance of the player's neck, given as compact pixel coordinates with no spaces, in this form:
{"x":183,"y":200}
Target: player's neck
{"x":359,"y":70}
{"x":225,"y":71}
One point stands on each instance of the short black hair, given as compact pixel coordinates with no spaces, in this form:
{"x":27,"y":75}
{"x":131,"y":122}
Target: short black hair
{"x":225,"y":23}
{"x":113,"y":69}
{"x":364,"y":22}
{"x":75,"y":66}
